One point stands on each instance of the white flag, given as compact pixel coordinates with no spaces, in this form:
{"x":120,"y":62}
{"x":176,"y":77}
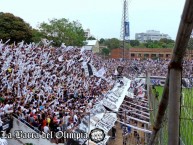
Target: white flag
{"x":82,"y":50}
{"x":60,"y":59}
{"x":100,"y":73}
{"x":63,"y":45}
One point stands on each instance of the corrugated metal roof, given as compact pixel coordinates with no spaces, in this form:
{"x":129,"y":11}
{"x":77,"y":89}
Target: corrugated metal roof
{"x":91,"y":42}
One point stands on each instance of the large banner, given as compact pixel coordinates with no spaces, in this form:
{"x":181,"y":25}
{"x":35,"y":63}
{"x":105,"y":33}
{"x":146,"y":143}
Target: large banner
{"x":127,"y":31}
{"x":115,"y":97}
{"x":107,"y":122}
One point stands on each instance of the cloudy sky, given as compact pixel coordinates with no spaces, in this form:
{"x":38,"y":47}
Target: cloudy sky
{"x":102,"y":17}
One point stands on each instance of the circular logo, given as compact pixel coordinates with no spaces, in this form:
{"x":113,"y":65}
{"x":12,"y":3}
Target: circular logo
{"x":59,"y":134}
{"x":97,"y":135}
{"x":120,"y":69}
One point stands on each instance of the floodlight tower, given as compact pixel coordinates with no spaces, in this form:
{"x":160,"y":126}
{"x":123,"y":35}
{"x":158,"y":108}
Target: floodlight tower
{"x":125,"y":32}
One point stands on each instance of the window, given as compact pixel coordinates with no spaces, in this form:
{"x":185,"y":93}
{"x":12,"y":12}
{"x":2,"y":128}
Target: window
{"x":132,"y":55}
{"x":167,"y":55}
{"x":153,"y":55}
{"x":161,"y":55}
{"x":146,"y":55}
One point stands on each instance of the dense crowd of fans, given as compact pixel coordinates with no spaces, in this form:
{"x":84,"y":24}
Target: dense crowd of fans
{"x":48,"y":88}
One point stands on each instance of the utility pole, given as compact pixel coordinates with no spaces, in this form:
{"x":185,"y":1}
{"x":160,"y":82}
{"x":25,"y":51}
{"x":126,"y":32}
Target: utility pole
{"x":125,"y":26}
{"x":124,"y":31}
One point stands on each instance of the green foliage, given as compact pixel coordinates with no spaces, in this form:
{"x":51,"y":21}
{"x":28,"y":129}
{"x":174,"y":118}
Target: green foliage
{"x":167,"y":41}
{"x":14,"y":28}
{"x":101,"y":41}
{"x":141,"y":45}
{"x":126,"y":44}
{"x":62,"y":30}
{"x":116,"y":43}
{"x":91,"y":38}
{"x":162,"y":43}
{"x":112,"y":43}
{"x":134,"y":43}
{"x":37,"y":35}
{"x":105,"y":51}
{"x":152,"y":44}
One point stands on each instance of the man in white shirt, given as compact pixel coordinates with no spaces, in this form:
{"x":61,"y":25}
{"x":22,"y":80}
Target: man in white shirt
{"x":6,"y":108}
{"x":66,"y":119}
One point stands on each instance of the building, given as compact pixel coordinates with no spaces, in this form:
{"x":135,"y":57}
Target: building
{"x":150,"y":35}
{"x":92,"y":45}
{"x":144,"y":53}
{"x":87,"y":33}
{"x":118,"y":53}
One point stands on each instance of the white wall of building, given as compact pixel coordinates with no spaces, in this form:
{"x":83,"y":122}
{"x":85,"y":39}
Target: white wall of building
{"x":151,"y":35}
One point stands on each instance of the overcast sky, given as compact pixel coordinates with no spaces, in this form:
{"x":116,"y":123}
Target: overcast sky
{"x":102,"y":17}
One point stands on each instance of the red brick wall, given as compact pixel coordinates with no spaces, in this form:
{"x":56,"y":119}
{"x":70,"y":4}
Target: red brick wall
{"x":146,"y":53}
{"x":118,"y":53}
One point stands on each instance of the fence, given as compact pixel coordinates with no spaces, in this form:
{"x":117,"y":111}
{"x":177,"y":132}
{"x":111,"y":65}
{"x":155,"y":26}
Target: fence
{"x":186,"y":116}
{"x":154,"y":99}
{"x":186,"y":104}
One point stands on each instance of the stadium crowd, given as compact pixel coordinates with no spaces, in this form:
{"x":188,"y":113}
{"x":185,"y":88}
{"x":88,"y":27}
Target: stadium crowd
{"x":50,"y":89}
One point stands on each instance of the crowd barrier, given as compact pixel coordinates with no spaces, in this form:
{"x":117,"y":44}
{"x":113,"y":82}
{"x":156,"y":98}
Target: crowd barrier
{"x":27,"y":128}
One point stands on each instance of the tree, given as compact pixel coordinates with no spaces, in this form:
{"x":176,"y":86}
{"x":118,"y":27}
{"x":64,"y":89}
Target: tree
{"x":105,"y":51}
{"x":91,"y":38}
{"x":152,"y":44}
{"x":112,"y":43}
{"x":167,"y":41}
{"x":134,"y":43}
{"x":63,"y":31}
{"x":141,"y":45}
{"x":126,"y":44}
{"x":37,"y":35}
{"x":14,"y":28}
{"x":101,"y":41}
